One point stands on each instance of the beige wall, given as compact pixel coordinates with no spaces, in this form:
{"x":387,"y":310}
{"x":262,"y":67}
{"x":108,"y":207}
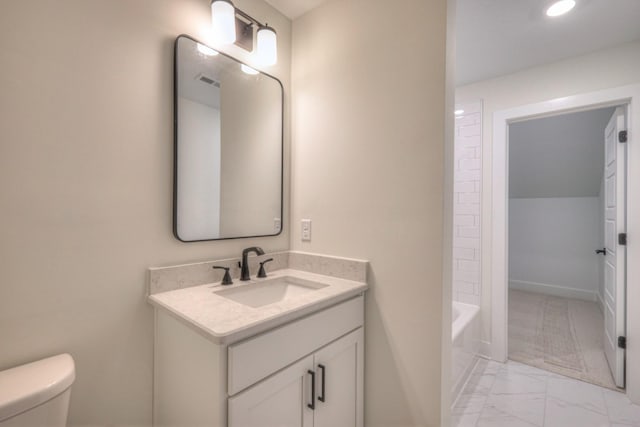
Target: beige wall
{"x":368,"y":147}
{"x":600,"y":70}
{"x":86,"y":160}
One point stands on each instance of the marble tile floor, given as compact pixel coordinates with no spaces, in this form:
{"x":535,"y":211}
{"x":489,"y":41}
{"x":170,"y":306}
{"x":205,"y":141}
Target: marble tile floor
{"x":514,"y":395}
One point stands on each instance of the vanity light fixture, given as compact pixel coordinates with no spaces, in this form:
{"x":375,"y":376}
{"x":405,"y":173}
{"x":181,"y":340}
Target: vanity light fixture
{"x":560,"y":7}
{"x":223,"y":17}
{"x":248,"y":70}
{"x":232,"y":25}
{"x":267,"y":45}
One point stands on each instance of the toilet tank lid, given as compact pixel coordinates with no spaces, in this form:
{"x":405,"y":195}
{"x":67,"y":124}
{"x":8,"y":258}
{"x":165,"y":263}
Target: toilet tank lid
{"x":27,"y":386}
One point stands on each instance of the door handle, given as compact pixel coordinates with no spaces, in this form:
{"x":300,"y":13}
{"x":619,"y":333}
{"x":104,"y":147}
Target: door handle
{"x":602,"y":251}
{"x":323,"y":396}
{"x":312,"y":405}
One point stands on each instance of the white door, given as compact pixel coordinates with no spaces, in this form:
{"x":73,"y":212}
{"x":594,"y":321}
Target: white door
{"x":615,"y":257}
{"x":339,"y":372}
{"x":279,"y":401}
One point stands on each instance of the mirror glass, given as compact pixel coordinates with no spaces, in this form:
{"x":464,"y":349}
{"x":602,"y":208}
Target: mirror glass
{"x":228,"y":147}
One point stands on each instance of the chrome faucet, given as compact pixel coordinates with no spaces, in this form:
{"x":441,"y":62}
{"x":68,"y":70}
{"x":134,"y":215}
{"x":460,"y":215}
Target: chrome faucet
{"x":244,"y":266}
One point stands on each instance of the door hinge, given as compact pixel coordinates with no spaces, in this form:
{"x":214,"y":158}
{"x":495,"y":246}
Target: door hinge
{"x":622,"y":136}
{"x":622,"y":342}
{"x":622,"y":239}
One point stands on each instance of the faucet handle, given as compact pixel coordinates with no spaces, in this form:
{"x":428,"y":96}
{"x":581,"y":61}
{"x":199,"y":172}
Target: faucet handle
{"x":262,"y":273}
{"x":226,"y":280}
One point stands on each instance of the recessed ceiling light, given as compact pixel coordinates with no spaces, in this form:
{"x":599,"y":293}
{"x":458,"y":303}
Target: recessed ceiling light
{"x":560,"y":7}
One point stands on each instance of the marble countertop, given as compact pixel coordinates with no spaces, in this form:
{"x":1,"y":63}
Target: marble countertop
{"x":224,"y":321}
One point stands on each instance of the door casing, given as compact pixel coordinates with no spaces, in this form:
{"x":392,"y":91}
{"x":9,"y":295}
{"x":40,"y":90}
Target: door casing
{"x":497,"y":212}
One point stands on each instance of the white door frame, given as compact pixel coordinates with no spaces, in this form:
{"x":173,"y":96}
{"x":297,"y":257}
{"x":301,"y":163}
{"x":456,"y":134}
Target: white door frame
{"x":626,"y":95}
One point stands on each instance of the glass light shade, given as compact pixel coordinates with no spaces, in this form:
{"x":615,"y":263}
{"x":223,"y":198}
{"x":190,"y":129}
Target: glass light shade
{"x":223,"y":16}
{"x":248,"y":69}
{"x":560,"y":7}
{"x":267,"y":46}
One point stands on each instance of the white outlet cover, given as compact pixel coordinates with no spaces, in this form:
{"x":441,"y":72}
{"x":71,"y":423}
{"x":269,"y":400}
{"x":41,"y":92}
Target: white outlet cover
{"x":306,"y":229}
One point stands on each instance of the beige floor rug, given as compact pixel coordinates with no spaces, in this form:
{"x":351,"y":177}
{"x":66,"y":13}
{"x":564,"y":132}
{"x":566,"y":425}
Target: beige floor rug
{"x":560,"y":335}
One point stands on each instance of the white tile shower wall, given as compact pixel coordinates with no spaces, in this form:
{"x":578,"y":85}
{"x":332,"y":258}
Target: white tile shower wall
{"x":466,"y":204}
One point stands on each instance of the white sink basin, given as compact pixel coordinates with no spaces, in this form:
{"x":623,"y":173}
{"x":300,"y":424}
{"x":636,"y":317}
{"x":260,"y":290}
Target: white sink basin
{"x":269,"y":291}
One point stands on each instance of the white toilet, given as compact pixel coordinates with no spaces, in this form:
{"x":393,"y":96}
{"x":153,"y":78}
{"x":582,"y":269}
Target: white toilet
{"x":37,"y":394}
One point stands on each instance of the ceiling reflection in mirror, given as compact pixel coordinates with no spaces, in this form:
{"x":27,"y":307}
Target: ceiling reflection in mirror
{"x":228,"y":147}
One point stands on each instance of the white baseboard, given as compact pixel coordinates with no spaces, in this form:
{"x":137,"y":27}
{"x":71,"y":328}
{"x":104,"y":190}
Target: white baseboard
{"x":600,"y":302}
{"x":558,"y":291}
{"x":457,"y":389}
{"x":485,"y":349}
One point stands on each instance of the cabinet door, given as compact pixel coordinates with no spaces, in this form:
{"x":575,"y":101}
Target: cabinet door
{"x":278,"y":401}
{"x":339,"y":386}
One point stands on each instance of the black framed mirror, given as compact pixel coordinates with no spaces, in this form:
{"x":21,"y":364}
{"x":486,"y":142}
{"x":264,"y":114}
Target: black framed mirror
{"x":228,"y":146}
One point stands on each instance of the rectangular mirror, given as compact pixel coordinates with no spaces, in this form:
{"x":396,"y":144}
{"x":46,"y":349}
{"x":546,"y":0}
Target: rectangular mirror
{"x":228,"y":147}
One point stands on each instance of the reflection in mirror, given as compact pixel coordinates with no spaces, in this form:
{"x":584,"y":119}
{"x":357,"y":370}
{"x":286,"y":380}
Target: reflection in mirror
{"x":228,"y":147}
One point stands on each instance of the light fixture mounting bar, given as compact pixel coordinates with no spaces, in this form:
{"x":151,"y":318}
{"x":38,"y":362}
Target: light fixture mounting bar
{"x":232,"y":25}
{"x":249,"y":18}
{"x":244,"y":34}
{"x":244,"y":29}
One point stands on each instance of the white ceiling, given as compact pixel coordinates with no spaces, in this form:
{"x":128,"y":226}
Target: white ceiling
{"x":561,"y":156}
{"x":498,"y":37}
{"x":295,"y":8}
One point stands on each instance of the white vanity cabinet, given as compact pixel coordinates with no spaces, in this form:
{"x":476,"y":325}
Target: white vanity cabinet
{"x":308,"y":372}
{"x":321,"y":390}
{"x":342,"y":363}
{"x":277,"y":401}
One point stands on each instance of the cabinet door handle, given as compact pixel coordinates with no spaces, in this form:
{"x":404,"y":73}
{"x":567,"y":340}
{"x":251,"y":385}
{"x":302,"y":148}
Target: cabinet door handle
{"x":322,"y":398}
{"x":312,"y":405}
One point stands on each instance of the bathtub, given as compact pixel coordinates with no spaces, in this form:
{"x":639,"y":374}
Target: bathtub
{"x":465,"y":335}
